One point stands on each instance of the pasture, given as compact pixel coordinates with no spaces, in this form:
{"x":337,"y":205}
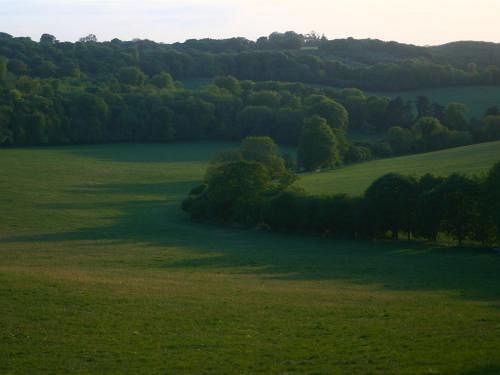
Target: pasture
{"x":355,"y":179}
{"x":477,"y":98}
{"x":101,"y":272}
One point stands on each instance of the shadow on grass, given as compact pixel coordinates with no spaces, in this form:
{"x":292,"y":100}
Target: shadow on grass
{"x":149,"y":215}
{"x":485,"y":370}
{"x":176,"y":152}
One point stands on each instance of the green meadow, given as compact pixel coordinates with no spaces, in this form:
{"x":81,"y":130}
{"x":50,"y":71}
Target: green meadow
{"x":355,"y":179}
{"x":101,"y":272}
{"x":477,"y":98}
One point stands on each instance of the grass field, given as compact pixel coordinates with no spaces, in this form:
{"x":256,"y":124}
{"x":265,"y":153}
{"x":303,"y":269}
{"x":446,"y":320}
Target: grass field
{"x":477,"y":98}
{"x":100,"y":272}
{"x":355,"y":179}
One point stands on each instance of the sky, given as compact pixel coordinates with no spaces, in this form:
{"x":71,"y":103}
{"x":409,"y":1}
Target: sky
{"x":421,"y":22}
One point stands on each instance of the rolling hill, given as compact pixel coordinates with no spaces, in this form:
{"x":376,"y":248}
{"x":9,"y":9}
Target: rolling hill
{"x":356,"y":178}
{"x":477,"y":98}
{"x":101,"y":272}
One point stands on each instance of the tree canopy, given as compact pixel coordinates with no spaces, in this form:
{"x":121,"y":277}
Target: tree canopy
{"x":318,"y":145}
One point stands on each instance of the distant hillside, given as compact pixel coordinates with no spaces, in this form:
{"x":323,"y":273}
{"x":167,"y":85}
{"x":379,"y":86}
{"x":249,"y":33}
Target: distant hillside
{"x":372,"y":51}
{"x":460,"y":54}
{"x":355,"y":179}
{"x":476,"y":98}
{"x":367,"y":64}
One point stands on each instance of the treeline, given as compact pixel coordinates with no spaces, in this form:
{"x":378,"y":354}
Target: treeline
{"x":130,"y":106}
{"x":449,"y":129}
{"x":292,"y":57}
{"x":250,"y":190}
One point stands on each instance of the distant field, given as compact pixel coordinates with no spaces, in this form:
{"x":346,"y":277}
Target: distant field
{"x":101,"y":272}
{"x":356,"y":178}
{"x":477,"y":98}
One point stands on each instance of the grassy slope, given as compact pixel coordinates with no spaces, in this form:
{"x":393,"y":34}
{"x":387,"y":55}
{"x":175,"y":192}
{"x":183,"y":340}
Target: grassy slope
{"x":101,"y":272}
{"x":477,"y":98}
{"x":354,"y":179}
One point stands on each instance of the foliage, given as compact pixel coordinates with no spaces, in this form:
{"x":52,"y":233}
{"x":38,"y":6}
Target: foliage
{"x":288,"y":56}
{"x":89,"y":92}
{"x":233,"y":193}
{"x":391,"y":204}
{"x":237,"y":181}
{"x":238,"y":191}
{"x":318,"y":145}
{"x":492,"y":205}
{"x":263,"y":150}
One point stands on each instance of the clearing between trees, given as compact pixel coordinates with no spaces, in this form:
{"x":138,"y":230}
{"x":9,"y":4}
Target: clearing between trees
{"x":100,"y":271}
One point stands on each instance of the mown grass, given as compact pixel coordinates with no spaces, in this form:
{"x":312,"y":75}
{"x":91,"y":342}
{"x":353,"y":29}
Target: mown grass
{"x":477,"y":98}
{"x":355,"y":179}
{"x":100,"y":272}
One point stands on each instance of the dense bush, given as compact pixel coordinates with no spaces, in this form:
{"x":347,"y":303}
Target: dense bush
{"x":459,"y":206}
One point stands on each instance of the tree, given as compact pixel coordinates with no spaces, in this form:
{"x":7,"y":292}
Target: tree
{"x":430,"y":134}
{"x":256,"y":120}
{"x":398,"y":113}
{"x":6,"y":134}
{"x":131,"y":76}
{"x":454,"y":116}
{"x":493,"y":195}
{"x":163,"y":81}
{"x":161,"y":122}
{"x":491,"y":128}
{"x":356,"y":154}
{"x":289,"y":124}
{"x":458,"y":195}
{"x":492,"y":111}
{"x":17,"y":67}
{"x":233,"y":193}
{"x":91,"y":38}
{"x":402,"y":141}
{"x":484,"y":227}
{"x":263,"y":150}
{"x":429,"y":207}
{"x":287,"y":40}
{"x":3,"y":69}
{"x":229,"y":83}
{"x":333,"y":112}
{"x":424,"y":106}
{"x":48,"y":40}
{"x":318,"y":145}
{"x":88,"y":117}
{"x":266,"y":98}
{"x":392,"y":202}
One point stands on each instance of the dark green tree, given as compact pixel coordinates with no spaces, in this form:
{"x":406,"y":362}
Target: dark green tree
{"x":392,"y":201}
{"x":263,"y":150}
{"x":318,"y":145}
{"x":228,"y":83}
{"x":334,"y":113}
{"x":429,"y":207}
{"x":455,"y":116}
{"x":458,"y":195}
{"x":131,"y":76}
{"x":163,"y":80}
{"x":234,"y":193}
{"x":402,"y":140}
{"x":48,"y":40}
{"x":424,"y":107}
{"x":3,"y":69}
{"x":492,"y":196}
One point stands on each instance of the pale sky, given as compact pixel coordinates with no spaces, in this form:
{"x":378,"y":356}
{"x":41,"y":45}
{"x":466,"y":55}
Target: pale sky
{"x":423,"y":22}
